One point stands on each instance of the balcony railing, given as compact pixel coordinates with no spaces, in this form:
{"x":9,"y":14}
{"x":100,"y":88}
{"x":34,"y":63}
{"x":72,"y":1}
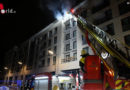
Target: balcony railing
{"x":70,"y":59}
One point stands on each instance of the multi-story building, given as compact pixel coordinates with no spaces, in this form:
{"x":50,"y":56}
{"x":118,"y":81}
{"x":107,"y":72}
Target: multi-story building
{"x":112,"y":16}
{"x":57,"y":47}
{"x":62,"y":38}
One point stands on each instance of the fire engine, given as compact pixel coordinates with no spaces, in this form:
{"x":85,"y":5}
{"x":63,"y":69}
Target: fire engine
{"x":109,"y":68}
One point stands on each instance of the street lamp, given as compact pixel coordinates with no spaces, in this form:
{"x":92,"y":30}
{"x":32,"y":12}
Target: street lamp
{"x":128,"y":2}
{"x":5,"y":68}
{"x":50,"y":52}
{"x":20,"y":63}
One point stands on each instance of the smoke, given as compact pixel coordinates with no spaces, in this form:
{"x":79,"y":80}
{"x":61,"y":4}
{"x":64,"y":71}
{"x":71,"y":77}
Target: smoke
{"x":58,"y":7}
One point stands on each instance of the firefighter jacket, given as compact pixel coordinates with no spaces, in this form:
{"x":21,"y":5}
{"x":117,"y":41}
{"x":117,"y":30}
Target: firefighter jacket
{"x":82,"y":60}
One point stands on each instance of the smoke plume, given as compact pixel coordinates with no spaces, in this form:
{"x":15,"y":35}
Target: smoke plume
{"x":58,"y":7}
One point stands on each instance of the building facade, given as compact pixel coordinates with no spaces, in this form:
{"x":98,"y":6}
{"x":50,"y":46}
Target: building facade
{"x":64,"y":39}
{"x":112,"y":16}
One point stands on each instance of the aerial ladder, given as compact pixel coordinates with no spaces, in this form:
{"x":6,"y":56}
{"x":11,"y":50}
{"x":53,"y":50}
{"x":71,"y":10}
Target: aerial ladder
{"x":112,"y":52}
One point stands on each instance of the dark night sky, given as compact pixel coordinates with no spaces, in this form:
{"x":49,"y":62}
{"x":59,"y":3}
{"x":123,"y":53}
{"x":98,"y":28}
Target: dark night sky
{"x":28,"y":19}
{"x":16,"y":28}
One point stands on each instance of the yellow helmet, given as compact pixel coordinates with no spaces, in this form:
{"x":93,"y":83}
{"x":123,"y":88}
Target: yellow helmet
{"x":83,"y":52}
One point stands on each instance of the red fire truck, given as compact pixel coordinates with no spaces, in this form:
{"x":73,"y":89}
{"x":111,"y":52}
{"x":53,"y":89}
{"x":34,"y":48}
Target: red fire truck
{"x":109,"y":68}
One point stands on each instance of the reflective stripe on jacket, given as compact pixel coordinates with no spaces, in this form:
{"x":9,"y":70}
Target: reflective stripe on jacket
{"x":82,"y":60}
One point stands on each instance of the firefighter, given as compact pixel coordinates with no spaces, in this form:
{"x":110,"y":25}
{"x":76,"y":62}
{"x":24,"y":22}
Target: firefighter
{"x":84,"y":54}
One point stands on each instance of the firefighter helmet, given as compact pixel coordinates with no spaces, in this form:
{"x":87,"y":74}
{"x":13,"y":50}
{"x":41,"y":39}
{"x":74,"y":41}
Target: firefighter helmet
{"x":83,"y":52}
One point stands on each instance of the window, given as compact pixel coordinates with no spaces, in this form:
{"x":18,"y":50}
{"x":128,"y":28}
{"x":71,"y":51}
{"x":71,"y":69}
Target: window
{"x":44,"y":45}
{"x":126,"y":23}
{"x":74,"y":33}
{"x":67,"y":47}
{"x":44,"y":53}
{"x":41,"y":54}
{"x":110,"y":29}
{"x":83,"y":40}
{"x":43,"y":62}
{"x":74,"y":45}
{"x":45,"y":37}
{"x":54,"y":60}
{"x":67,"y":25}
{"x":55,"y":32}
{"x":50,"y":34}
{"x":68,"y":58}
{"x":55,"y":40}
{"x":55,"y":50}
{"x":49,"y":42}
{"x":127,"y":40}
{"x":124,"y":7}
{"x":108,"y":14}
{"x":74,"y":23}
{"x":74,"y":56}
{"x":48,"y":62}
{"x":67,"y":36}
